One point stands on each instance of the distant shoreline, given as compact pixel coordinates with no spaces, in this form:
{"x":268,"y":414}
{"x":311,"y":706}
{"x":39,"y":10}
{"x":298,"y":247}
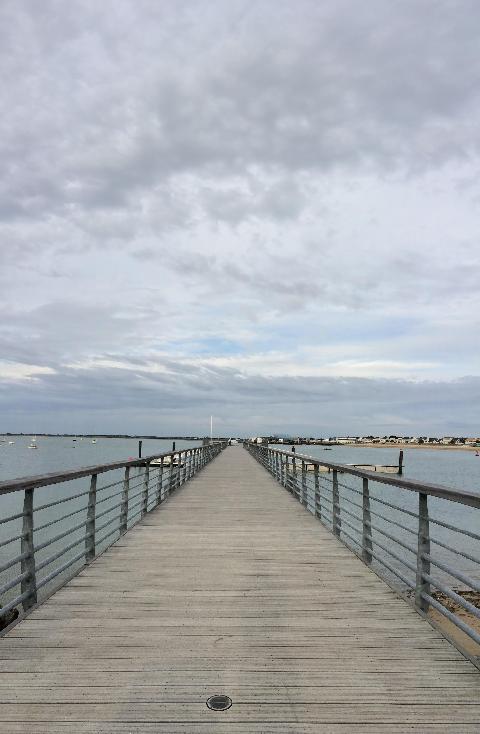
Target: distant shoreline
{"x":403,"y":446}
{"x":400,"y":446}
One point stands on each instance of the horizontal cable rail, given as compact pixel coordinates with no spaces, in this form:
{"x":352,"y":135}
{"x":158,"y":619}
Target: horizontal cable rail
{"x":387,"y":521}
{"x":33,"y":558}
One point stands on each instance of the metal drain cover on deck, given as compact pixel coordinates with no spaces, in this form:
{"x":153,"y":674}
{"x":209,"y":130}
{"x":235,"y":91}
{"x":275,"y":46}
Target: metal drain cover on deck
{"x":219,"y":703}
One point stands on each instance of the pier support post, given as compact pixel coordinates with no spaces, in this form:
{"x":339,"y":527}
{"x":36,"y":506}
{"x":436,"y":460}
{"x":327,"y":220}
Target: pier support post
{"x":366,"y":524}
{"x":29,"y":583}
{"x":90,"y":524}
{"x":423,"y":565}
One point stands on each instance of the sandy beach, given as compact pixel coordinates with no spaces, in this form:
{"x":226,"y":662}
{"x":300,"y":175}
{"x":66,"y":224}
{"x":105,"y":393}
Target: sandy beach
{"x":416,"y":446}
{"x":451,"y":629}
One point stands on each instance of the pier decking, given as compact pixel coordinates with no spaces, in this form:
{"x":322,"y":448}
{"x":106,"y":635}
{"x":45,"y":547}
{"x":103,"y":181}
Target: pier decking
{"x":231,"y":587}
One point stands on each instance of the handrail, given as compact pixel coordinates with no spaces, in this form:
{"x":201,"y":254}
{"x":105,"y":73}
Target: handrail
{"x":463,"y":496}
{"x":30,"y":554}
{"x":336,"y":503}
{"x":42,"y":480}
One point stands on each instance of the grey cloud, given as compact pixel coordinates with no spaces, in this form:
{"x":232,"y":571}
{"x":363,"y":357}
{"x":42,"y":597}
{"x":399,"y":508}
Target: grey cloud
{"x":326,"y":85}
{"x":62,"y":331}
{"x":164,"y":178}
{"x":184,"y":396}
{"x":282,"y":199}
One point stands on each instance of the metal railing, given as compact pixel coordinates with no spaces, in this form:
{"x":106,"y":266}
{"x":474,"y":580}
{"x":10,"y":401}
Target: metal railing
{"x":406,"y":530}
{"x":40,"y":547}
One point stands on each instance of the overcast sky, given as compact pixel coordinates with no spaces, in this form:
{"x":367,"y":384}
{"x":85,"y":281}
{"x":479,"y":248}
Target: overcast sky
{"x":263,"y":210}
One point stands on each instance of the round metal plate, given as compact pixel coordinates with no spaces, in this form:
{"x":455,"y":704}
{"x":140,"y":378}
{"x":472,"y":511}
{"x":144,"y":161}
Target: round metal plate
{"x":219,"y":702}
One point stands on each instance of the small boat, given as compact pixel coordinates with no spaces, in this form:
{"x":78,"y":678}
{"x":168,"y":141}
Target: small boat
{"x":10,"y":443}
{"x":94,"y":440}
{"x":33,"y":443}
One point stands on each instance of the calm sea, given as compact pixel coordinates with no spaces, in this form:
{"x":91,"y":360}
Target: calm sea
{"x":453,"y":468}
{"x":55,"y":454}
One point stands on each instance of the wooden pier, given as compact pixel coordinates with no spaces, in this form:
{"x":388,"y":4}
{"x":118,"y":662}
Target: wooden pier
{"x":231,"y":587}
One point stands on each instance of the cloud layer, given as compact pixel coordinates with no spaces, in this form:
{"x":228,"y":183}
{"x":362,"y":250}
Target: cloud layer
{"x":208,"y":206}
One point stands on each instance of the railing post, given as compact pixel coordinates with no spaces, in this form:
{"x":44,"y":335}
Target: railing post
{"x":185,"y":467}
{"x":423,"y":565}
{"x":146,"y":480}
{"x":318,"y":501}
{"x":160,"y":481}
{"x":366,"y":524}
{"x":304,"y":484}
{"x":288,"y":472}
{"x":90,"y":524}
{"x":171,"y":478}
{"x":178,"y":475}
{"x":179,"y":472}
{"x":186,"y":470}
{"x":294,"y":474}
{"x":124,"y":505}
{"x":29,"y":583}
{"x":336,"y":504}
